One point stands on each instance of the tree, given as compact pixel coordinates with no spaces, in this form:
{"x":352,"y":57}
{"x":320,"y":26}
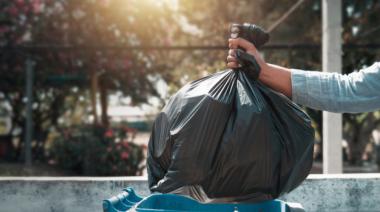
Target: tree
{"x":40,"y":28}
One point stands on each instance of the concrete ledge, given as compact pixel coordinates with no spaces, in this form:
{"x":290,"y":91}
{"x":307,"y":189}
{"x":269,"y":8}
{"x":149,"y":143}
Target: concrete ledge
{"x":63,"y":193}
{"x":344,"y":192}
{"x":348,"y":192}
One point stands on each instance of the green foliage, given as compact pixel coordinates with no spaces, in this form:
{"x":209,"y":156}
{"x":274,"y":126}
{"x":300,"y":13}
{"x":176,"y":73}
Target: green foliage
{"x":84,"y":25}
{"x":96,"y":151}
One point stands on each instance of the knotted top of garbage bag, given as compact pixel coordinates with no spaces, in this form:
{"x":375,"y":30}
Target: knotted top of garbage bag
{"x":255,"y":35}
{"x":251,"y":33}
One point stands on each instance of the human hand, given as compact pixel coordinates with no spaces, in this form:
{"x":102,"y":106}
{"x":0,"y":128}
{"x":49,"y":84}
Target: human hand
{"x":234,"y":43}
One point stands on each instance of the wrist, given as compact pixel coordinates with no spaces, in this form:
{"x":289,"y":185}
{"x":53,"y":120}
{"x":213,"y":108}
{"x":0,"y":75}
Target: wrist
{"x":264,"y":72}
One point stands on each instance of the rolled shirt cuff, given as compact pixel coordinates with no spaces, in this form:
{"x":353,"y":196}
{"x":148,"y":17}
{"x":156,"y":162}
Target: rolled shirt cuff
{"x":299,"y":86}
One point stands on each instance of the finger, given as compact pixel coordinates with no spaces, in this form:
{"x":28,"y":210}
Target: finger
{"x":232,"y":43}
{"x":232,"y":65}
{"x":232,"y":52}
{"x":231,"y":59}
{"x":240,"y":42}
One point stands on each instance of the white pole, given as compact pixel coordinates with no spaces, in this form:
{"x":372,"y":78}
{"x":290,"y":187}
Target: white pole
{"x":332,"y":62}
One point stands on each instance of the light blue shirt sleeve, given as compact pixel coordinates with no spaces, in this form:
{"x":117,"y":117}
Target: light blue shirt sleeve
{"x":353,"y":93}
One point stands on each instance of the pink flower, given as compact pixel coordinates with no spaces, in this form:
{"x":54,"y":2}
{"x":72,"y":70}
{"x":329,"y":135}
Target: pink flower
{"x":36,"y":4}
{"x":108,"y":134}
{"x":20,"y":3}
{"x":13,"y":11}
{"x":124,"y":155}
{"x":125,"y":145}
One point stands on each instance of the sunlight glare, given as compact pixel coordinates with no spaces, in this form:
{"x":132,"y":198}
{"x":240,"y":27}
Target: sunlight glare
{"x":172,"y":4}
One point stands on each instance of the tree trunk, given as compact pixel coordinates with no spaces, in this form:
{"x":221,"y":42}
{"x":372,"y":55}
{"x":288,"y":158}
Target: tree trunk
{"x":104,"y":103}
{"x":356,"y":151}
{"x":361,"y":133}
{"x":94,"y":89}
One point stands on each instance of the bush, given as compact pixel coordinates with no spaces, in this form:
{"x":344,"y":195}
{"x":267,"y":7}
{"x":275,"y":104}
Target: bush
{"x":97,"y":151}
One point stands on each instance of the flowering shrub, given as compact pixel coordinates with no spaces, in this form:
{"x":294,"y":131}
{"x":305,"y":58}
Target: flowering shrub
{"x":97,"y":151}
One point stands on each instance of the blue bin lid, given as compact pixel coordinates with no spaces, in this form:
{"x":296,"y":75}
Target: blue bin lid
{"x":129,"y":200}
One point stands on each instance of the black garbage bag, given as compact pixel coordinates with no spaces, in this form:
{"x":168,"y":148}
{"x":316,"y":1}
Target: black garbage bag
{"x":230,"y":138}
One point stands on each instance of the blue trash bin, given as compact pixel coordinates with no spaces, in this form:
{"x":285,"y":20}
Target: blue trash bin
{"x":129,"y":200}
{"x":122,"y":202}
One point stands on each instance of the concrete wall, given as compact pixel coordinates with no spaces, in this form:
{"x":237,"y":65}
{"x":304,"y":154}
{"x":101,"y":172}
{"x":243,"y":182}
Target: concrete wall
{"x":348,"y":192}
{"x":338,"y":192}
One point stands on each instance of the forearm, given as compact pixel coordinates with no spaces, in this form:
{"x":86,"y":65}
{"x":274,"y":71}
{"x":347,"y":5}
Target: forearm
{"x":278,"y":78}
{"x":353,"y":93}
